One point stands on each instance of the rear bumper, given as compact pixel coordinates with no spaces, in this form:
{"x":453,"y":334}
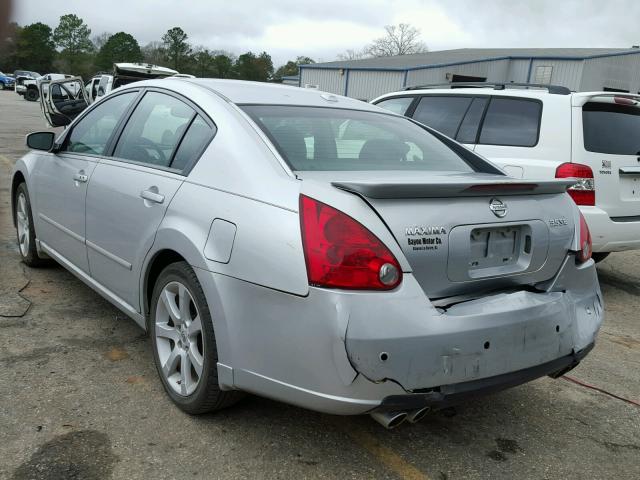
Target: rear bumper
{"x":325,"y":351}
{"x":449,"y":395}
{"x":610,"y":236}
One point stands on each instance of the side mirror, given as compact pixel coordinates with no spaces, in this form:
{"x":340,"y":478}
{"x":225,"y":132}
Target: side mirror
{"x":41,"y":141}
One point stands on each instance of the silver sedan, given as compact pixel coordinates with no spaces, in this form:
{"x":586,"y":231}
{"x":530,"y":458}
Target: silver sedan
{"x":308,"y":247}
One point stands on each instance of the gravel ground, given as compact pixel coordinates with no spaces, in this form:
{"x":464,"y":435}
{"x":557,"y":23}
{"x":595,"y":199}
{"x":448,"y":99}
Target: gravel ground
{"x":79,"y":397}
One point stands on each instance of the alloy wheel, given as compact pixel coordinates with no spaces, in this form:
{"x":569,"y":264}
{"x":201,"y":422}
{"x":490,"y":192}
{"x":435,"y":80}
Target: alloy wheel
{"x":178,"y":338}
{"x":22,"y":216}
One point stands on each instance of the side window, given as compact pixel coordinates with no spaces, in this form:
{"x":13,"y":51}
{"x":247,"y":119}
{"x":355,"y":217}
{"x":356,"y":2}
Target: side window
{"x":468,"y":131}
{"x":396,"y":105}
{"x":102,"y":85}
{"x":443,"y":113}
{"x":92,"y":132}
{"x":511,"y":122}
{"x":154,"y":129}
{"x":195,"y":140}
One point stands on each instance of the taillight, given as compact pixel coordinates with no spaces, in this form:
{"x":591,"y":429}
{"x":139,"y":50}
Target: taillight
{"x":586,"y":245}
{"x":342,"y":253}
{"x":583,"y":192}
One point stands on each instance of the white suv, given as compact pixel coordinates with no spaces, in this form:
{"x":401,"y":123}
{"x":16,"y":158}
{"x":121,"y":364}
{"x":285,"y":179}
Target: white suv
{"x":545,"y":132}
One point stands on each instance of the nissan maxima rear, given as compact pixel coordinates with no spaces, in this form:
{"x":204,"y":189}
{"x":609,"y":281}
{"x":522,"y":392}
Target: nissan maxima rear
{"x":311,"y":248}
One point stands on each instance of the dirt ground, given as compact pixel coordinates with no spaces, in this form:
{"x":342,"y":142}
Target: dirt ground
{"x":79,"y":397}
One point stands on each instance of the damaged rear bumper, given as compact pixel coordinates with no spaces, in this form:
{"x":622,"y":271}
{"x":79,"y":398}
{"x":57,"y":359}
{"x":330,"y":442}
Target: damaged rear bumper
{"x":448,"y":395}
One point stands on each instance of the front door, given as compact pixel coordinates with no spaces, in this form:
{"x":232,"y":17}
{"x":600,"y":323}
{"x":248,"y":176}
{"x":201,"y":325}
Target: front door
{"x":61,"y":180}
{"x":61,"y":186}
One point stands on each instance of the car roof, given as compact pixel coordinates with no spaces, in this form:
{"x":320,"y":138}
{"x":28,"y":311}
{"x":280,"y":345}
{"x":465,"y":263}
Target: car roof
{"x":262,"y":93}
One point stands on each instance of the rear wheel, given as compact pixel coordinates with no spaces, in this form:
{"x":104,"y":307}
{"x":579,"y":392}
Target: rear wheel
{"x":184,"y":343}
{"x":32,"y":94}
{"x":598,"y":257}
{"x":24,"y":228}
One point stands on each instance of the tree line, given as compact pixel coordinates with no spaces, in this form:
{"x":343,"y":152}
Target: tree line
{"x":70,"y":48}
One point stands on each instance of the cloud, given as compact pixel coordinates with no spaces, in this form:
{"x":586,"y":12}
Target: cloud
{"x":323,"y":29}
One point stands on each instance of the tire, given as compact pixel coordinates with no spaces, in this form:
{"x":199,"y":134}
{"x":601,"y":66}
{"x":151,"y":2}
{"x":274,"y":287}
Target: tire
{"x":600,"y":256}
{"x":177,"y":342}
{"x":32,"y":95}
{"x":25,"y":232}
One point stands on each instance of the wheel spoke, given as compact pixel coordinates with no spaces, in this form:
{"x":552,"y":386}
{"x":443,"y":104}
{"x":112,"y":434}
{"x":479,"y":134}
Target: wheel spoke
{"x":194,"y":327}
{"x":163,"y":330}
{"x":185,"y":301}
{"x":185,"y":373}
{"x":168,"y":299}
{"x":171,"y":364}
{"x":196,"y":360}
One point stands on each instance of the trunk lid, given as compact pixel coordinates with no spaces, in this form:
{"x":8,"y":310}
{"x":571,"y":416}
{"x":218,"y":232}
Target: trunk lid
{"x":466,"y":233}
{"x":606,"y":131}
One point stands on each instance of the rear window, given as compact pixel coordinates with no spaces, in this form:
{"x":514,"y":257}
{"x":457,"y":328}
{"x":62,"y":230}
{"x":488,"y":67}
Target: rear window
{"x":324,"y":139}
{"x":610,"y":128}
{"x":511,"y":122}
{"x":442,"y":113}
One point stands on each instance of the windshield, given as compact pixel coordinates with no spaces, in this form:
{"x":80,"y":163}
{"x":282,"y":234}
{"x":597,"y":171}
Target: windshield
{"x":324,"y":139}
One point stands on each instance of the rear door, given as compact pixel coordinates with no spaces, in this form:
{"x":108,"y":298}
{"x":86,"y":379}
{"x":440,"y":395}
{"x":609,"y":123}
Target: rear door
{"x":607,"y":138}
{"x":129,"y":192}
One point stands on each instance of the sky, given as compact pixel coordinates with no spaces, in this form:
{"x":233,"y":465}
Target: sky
{"x":323,"y":29}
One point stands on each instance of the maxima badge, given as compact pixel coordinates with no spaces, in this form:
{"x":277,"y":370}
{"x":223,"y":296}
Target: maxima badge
{"x":498,"y":208}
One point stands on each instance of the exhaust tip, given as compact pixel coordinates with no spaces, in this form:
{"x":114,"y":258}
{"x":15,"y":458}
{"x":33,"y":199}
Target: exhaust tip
{"x":389,"y":420}
{"x":417,"y":415}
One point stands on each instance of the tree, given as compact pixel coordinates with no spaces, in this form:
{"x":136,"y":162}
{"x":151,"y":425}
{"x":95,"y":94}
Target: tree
{"x":177,"y":48}
{"x":401,"y":39}
{"x":251,"y":67}
{"x":9,"y":48}
{"x":120,"y":47}
{"x":291,"y":68}
{"x":35,"y":48}
{"x":99,"y":40}
{"x":224,"y":65}
{"x":72,"y":37}
{"x":351,"y":54}
{"x":154,"y":53}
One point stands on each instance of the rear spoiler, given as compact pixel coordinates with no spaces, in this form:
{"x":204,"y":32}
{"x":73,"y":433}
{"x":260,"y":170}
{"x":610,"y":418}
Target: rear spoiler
{"x":439,"y":189}
{"x":580,"y":98}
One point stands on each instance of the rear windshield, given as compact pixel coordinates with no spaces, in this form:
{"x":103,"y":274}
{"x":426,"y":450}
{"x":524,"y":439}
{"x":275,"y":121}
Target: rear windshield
{"x":324,"y":139}
{"x":611,"y":128}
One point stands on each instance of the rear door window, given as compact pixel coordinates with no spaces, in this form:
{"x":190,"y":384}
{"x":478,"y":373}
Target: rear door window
{"x":397,"y":105}
{"x":442,"y":113}
{"x":154,"y":130}
{"x":610,"y":128}
{"x":511,"y":122}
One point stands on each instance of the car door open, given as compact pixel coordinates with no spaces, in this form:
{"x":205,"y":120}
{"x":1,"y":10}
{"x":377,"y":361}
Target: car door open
{"x":62,"y":100}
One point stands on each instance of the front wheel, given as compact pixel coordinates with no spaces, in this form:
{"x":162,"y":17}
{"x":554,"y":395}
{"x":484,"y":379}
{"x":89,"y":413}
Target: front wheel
{"x":32,"y":95}
{"x":184,"y":343}
{"x":24,"y":228}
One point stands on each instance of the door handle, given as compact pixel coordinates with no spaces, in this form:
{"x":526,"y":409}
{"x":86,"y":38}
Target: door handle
{"x":152,"y":196}
{"x":80,"y":177}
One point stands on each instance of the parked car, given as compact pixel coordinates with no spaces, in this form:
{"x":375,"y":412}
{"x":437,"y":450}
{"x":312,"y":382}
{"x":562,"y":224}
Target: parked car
{"x":548,"y":132}
{"x":22,"y":76}
{"x":6,"y":81}
{"x":309,"y":248}
{"x":123,"y":74}
{"x":31,"y":86}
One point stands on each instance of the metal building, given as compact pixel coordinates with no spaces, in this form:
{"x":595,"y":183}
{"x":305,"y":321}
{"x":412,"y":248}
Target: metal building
{"x":579,"y":69}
